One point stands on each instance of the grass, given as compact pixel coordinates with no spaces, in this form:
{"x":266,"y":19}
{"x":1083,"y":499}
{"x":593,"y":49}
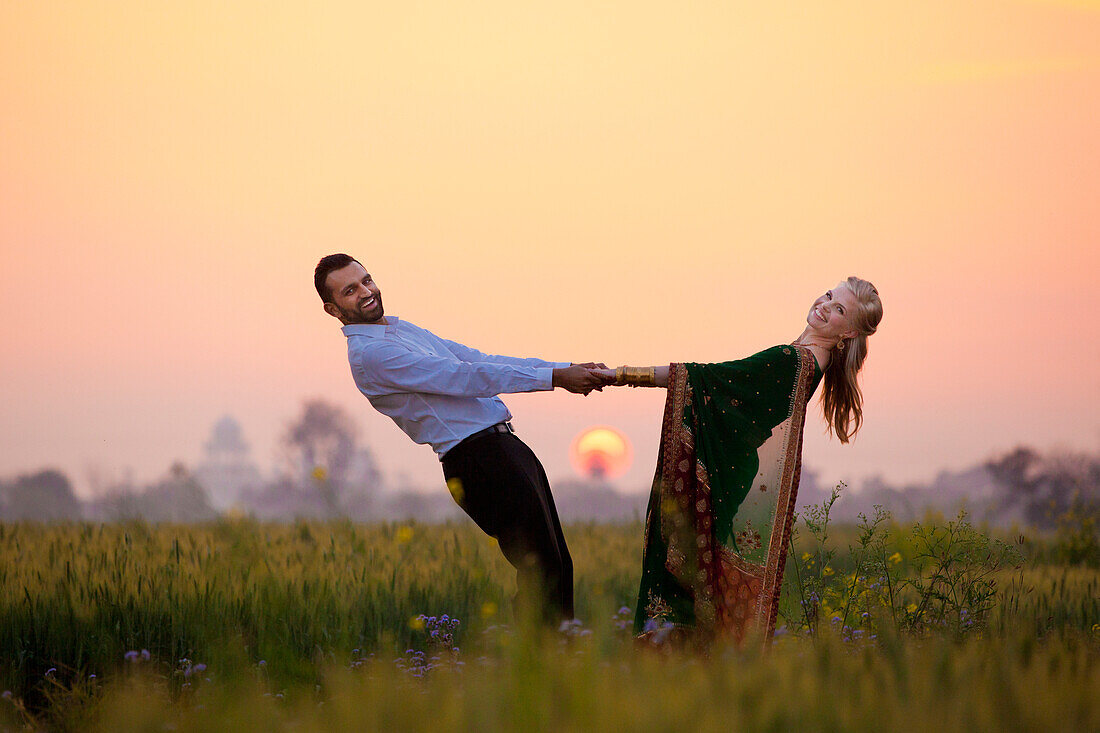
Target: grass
{"x":309,"y":627}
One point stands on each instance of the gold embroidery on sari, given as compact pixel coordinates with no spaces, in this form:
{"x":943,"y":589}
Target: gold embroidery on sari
{"x":749,"y":538}
{"x":768,"y":605}
{"x":657,"y":608}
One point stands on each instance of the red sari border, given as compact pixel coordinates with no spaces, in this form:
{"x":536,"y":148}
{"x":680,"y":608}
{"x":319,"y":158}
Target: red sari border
{"x":768,"y":604}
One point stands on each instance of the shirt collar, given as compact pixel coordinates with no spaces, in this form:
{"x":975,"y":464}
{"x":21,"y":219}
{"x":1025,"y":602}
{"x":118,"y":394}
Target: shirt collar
{"x":372,"y":329}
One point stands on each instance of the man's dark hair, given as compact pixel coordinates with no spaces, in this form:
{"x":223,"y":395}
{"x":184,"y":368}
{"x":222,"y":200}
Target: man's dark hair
{"x":327,"y":264}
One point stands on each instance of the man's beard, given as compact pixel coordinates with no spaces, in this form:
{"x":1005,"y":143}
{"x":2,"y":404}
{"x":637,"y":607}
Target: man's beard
{"x":356,"y":315}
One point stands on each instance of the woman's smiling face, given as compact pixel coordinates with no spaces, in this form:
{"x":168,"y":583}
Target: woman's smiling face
{"x":830,"y":314}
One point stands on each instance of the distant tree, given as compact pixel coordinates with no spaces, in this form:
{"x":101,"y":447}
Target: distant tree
{"x":115,"y":504}
{"x":283,"y":499}
{"x":320,"y":446}
{"x":1047,"y":487}
{"x":178,"y":497}
{"x":44,"y":496}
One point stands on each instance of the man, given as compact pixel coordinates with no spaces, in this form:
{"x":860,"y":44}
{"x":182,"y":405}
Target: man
{"x":445,"y":394}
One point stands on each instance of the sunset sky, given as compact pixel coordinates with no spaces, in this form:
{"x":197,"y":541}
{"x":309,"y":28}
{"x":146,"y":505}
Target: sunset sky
{"x":627,"y":182}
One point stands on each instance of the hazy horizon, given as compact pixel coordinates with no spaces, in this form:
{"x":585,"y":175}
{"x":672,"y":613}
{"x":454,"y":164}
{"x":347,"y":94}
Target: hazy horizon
{"x":417,"y":469}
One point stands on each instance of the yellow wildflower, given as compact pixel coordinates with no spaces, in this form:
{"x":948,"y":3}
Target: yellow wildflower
{"x":488,"y":609}
{"x":895,"y":558}
{"x":454,"y":485}
{"x":911,"y":608}
{"x":416,"y":623}
{"x":403,"y":535}
{"x":319,"y":473}
{"x":828,"y":571}
{"x":806,"y":556}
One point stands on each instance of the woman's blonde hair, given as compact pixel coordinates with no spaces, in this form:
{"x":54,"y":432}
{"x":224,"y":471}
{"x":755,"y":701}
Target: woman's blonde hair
{"x":841,"y":398}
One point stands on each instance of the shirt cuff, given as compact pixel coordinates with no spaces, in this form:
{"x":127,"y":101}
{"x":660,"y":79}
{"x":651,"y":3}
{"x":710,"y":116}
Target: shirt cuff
{"x":562,"y":364}
{"x":546,"y":377}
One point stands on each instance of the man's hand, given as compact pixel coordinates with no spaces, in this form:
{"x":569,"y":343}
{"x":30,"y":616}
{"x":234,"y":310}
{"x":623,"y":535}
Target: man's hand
{"x":580,"y":378}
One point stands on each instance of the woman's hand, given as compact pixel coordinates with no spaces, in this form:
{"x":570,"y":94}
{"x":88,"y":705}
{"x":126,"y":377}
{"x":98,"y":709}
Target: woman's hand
{"x":609,"y":374}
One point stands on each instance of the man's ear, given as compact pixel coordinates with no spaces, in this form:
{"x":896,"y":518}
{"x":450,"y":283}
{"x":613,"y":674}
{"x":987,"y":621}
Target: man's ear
{"x":332,"y":310}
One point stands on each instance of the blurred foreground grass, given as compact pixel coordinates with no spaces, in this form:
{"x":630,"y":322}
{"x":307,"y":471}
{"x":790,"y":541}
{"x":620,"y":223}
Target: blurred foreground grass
{"x":245,"y":626}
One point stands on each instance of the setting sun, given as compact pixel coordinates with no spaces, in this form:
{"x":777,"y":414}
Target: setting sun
{"x":601,"y":452}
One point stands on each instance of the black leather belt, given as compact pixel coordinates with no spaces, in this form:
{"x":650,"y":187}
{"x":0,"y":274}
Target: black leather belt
{"x":500,"y":427}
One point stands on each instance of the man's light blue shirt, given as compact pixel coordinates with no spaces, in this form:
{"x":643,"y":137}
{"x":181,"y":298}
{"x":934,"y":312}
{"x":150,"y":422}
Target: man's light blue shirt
{"x":437,"y":391}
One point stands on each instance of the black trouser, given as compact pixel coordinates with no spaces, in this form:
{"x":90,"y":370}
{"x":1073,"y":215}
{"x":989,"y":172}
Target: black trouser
{"x":505,"y":491}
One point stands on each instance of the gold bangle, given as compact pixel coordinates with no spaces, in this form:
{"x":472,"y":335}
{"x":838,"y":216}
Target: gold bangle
{"x":636,"y":376}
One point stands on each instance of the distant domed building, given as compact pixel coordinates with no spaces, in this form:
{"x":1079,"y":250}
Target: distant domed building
{"x":227,"y":469}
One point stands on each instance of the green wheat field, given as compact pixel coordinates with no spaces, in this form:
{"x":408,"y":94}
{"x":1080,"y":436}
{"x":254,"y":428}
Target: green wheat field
{"x":329,"y":626}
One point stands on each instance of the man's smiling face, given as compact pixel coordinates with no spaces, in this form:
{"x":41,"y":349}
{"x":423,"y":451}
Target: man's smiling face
{"x":354,"y":297}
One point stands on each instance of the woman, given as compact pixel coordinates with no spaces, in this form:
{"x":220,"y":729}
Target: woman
{"x":720,"y":512}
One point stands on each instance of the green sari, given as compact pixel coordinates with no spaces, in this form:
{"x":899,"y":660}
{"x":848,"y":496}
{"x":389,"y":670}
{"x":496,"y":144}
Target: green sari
{"x":720,"y":512}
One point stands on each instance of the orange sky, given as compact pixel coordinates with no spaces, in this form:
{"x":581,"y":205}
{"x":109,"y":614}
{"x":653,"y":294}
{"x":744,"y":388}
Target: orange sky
{"x":631,"y":182}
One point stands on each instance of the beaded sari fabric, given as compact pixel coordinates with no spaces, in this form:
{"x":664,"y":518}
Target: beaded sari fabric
{"x":723,"y":497}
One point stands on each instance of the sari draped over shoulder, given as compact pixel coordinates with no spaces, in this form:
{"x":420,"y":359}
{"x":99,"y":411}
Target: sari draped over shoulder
{"x":720,"y":511}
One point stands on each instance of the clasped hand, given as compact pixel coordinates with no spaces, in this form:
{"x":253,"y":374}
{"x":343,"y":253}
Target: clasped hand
{"x":583,"y":378}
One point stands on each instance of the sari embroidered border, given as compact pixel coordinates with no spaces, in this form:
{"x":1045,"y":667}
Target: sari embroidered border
{"x":768,"y":606}
{"x":686,"y":525}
